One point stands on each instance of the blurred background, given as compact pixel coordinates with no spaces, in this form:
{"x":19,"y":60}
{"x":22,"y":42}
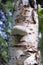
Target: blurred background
{"x":6,"y":18}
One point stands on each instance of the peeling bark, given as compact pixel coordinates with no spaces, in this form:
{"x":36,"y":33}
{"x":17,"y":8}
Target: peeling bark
{"x":24,"y":43}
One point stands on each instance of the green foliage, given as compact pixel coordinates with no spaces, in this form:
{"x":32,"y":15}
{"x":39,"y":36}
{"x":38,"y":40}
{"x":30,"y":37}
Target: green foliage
{"x":4,"y":42}
{"x":39,"y":9}
{"x":41,"y":25}
{"x":6,"y":11}
{"x":9,"y":5}
{"x":40,"y":13}
{"x":41,"y":49}
{"x":4,"y":54}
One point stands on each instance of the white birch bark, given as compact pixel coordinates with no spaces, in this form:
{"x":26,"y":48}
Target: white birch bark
{"x":24,"y":43}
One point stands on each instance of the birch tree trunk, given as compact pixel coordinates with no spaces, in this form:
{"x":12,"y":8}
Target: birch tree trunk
{"x":24,"y":42}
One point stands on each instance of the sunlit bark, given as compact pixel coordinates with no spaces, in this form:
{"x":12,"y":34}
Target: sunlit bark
{"x":24,"y":42}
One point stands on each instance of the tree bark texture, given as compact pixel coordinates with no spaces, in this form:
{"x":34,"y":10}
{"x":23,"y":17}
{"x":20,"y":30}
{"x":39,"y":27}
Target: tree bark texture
{"x":24,"y":42}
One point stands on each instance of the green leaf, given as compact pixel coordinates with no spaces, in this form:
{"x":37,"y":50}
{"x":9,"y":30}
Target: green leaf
{"x":6,"y":29}
{"x":40,"y":12}
{"x":6,"y":11}
{"x":2,"y":40}
{"x":4,"y":53}
{"x":9,"y":5}
{"x":41,"y":24}
{"x":39,"y":9}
